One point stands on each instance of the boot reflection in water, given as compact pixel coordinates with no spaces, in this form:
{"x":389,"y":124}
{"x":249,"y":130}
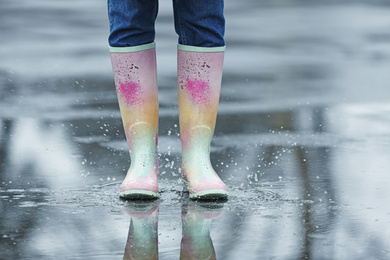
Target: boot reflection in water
{"x":196,"y":242}
{"x":142,"y":239}
{"x":200,"y":26}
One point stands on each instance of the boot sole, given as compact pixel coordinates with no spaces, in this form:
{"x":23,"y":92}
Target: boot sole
{"x":209,"y":195}
{"x":138,"y":194}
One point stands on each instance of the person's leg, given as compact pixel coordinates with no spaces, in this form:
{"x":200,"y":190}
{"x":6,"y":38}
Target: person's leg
{"x":135,"y":78}
{"x":200,"y":25}
{"x":131,"y":22}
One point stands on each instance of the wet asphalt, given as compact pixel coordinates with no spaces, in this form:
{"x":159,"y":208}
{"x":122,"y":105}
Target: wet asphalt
{"x":302,"y":137}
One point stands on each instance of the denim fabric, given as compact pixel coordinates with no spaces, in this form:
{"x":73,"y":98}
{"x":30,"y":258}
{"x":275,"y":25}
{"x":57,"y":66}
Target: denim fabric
{"x":131,"y":22}
{"x":198,"y":23}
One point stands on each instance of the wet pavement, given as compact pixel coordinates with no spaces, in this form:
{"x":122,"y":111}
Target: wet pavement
{"x":302,"y":137}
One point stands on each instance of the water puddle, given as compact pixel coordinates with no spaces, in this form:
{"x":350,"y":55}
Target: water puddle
{"x":302,"y":138}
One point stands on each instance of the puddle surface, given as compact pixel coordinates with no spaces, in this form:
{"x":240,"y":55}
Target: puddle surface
{"x":302,"y":138}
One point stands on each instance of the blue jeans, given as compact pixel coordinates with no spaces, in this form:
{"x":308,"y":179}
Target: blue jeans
{"x":198,"y":23}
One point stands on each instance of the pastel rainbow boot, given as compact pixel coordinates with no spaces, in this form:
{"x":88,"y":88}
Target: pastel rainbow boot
{"x":199,"y":85}
{"x":135,"y":76}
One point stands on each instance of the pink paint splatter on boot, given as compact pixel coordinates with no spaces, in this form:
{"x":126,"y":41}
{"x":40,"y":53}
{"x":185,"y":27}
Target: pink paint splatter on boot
{"x":198,"y":91}
{"x":131,"y":92}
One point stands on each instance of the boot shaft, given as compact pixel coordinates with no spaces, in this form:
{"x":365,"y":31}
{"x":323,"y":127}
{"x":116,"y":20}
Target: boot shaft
{"x":199,"y":85}
{"x":135,"y":76}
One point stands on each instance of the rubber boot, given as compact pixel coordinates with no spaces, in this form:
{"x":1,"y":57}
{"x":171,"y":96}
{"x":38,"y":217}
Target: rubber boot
{"x":199,"y":86}
{"x":135,"y":77}
{"x":142,"y":239}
